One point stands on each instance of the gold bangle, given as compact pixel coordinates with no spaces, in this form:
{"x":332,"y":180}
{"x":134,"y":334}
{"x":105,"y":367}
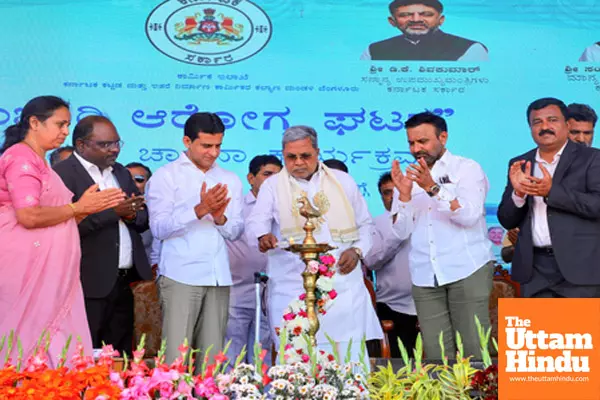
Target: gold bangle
{"x":73,"y":207}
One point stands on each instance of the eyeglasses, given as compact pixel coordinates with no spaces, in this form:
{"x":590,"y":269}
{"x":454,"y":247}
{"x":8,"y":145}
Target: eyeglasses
{"x":107,"y":145}
{"x":302,"y":156}
{"x":139,"y":178}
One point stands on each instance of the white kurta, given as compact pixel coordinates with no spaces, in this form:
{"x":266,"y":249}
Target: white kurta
{"x":351,"y":315}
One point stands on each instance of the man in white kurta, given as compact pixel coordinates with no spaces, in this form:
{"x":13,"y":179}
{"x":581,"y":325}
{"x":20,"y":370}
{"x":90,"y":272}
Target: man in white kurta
{"x":346,"y":224}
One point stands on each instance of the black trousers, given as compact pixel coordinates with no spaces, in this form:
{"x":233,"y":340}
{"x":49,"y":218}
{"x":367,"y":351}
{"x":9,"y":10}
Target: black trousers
{"x":111,"y":318}
{"x":548,"y":282}
{"x":405,"y":328}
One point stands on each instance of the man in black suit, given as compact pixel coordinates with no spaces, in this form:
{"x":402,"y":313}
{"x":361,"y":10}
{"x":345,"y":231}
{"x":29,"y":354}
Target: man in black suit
{"x":113,"y":255}
{"x":557,"y":209}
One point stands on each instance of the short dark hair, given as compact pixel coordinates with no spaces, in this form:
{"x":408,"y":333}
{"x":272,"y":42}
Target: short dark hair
{"x":545,"y":102}
{"x":428,"y":118}
{"x":429,"y":3}
{"x":261,"y":160}
{"x":55,"y":155}
{"x":42,"y":107}
{"x":336,"y":164}
{"x":582,"y":113}
{"x":139,"y":165}
{"x":383,"y":179}
{"x":203,"y":122}
{"x":85,"y":127}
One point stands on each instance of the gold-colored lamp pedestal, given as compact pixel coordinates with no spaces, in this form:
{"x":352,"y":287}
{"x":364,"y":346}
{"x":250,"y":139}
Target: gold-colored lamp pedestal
{"x":310,"y":250}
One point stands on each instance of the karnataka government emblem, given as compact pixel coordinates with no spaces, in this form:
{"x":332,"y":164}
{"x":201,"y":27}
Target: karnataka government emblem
{"x":208,"y":33}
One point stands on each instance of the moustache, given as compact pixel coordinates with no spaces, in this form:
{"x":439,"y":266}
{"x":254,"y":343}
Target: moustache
{"x":546,"y":132}
{"x":410,"y":24}
{"x":421,"y":155}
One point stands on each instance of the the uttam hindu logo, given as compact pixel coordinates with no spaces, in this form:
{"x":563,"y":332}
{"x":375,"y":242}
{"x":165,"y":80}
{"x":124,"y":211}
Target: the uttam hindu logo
{"x":548,"y":350}
{"x":524,"y":342}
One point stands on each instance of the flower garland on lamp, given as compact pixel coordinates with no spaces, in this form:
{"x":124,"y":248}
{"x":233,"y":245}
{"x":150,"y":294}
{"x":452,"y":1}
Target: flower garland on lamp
{"x":295,"y":321}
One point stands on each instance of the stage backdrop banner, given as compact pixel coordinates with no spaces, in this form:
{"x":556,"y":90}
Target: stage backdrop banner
{"x":266,"y":65}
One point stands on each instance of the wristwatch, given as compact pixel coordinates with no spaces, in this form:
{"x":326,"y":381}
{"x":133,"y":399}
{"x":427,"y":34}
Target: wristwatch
{"x":358,"y":252}
{"x":433,"y":190}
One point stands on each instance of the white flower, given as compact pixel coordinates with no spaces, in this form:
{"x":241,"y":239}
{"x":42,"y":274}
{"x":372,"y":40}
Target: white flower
{"x":325,"y":284}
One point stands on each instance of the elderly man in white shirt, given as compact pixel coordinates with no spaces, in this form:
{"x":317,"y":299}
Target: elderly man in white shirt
{"x":451,"y":262}
{"x":246,"y":260}
{"x":389,"y":259}
{"x":346,"y":223}
{"x":195,"y":205}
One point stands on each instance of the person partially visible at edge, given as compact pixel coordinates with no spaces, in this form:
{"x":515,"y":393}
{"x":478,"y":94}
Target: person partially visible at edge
{"x":140,"y":174}
{"x":61,"y":154}
{"x":40,"y":289}
{"x":195,"y":205}
{"x":245,"y":260}
{"x":581,"y":120}
{"x":439,"y":204}
{"x":553,"y":196}
{"x":591,"y":53}
{"x":345,"y":223}
{"x":388,"y":258}
{"x":422,"y":39}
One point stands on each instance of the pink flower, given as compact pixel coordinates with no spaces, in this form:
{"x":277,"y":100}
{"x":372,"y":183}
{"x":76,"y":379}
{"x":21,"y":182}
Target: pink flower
{"x":328,"y":259}
{"x":313,"y":267}
{"x":289,"y":316}
{"x":206,"y":387}
{"x":305,"y":358}
{"x":302,"y":297}
{"x":333,"y":294}
{"x":323,"y":268}
{"x":184,"y":389}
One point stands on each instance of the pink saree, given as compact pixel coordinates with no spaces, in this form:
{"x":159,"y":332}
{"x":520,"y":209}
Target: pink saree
{"x":40,"y":289}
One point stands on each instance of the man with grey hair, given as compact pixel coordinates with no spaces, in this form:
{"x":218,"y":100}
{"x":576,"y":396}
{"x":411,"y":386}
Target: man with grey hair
{"x":345,"y":223}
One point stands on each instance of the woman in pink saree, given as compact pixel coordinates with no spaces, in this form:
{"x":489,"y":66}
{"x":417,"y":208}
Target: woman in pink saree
{"x":40,"y":289}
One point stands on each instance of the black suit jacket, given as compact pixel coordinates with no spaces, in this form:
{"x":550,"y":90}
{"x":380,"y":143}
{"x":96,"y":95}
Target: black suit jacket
{"x":99,"y":232}
{"x":573,"y":217}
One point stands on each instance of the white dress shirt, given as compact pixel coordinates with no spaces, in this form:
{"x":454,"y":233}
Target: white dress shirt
{"x":244,"y":261}
{"x":591,"y":54}
{"x":539,"y":220}
{"x":351,"y":314}
{"x":106,"y":180}
{"x":193,"y":250}
{"x":446,"y":245}
{"x":389,"y":259}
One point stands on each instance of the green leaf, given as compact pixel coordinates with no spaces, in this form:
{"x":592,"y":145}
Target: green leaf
{"x":240,"y":357}
{"x":336,"y":353}
{"x":349,"y":352}
{"x":65,"y":349}
{"x":282,"y":343}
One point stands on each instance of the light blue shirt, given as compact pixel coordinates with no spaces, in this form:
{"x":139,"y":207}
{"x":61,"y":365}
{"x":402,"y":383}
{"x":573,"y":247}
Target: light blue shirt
{"x":445,"y":244}
{"x":193,"y":250}
{"x":389,"y":258}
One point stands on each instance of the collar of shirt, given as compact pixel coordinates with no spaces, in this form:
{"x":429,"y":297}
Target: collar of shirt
{"x":185,"y":160}
{"x":91,"y":167}
{"x":539,"y":159}
{"x":249,"y":199}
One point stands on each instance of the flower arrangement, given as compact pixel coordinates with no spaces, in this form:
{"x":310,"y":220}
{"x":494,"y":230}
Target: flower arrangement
{"x":295,"y":322}
{"x":99,"y":380}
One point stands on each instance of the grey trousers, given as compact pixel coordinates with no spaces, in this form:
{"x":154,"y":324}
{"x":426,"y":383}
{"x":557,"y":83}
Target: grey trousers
{"x":453,"y":307}
{"x":198,"y":313}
